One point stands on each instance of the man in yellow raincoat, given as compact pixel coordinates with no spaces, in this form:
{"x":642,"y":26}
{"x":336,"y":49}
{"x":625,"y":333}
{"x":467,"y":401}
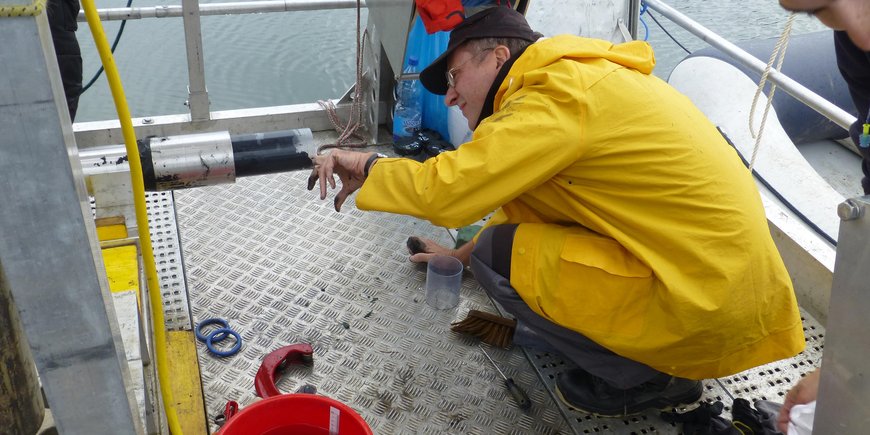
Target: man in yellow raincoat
{"x":627,"y":234}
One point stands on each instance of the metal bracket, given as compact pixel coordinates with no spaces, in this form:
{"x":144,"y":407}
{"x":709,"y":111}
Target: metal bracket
{"x":626,"y":34}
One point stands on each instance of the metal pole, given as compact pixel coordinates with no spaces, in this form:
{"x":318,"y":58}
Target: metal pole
{"x":633,"y":17}
{"x":793,"y":88}
{"x":844,"y":391}
{"x":48,"y":249}
{"x":197,"y":95}
{"x":229,"y":8}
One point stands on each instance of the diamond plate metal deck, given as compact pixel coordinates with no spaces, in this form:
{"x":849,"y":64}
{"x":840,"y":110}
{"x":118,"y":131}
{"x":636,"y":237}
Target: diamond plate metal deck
{"x":282,"y":267}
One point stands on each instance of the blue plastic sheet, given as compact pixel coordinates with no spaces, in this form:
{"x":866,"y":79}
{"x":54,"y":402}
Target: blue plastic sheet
{"x":427,"y":48}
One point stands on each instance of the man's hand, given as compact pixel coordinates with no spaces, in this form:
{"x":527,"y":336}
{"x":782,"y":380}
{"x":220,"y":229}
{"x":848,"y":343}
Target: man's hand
{"x":805,"y":391}
{"x":350,"y":167}
{"x":429,"y":248}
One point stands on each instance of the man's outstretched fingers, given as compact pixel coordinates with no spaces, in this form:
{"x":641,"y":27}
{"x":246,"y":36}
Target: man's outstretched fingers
{"x":326,"y":176}
{"x":421,"y":257}
{"x":341,"y":197}
{"x":312,"y":179}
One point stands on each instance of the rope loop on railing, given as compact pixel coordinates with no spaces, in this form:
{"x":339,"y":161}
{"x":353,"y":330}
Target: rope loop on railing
{"x":349,"y":130}
{"x":777,"y":57}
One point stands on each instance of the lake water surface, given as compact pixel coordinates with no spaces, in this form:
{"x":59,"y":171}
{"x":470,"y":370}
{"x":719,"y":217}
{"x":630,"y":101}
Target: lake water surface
{"x":299,"y":57}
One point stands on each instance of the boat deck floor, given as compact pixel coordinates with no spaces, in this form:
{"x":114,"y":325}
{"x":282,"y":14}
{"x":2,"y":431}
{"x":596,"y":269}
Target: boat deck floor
{"x":283,"y":267}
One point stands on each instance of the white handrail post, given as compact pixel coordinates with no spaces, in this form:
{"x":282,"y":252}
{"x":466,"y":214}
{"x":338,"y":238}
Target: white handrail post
{"x":197,"y":95}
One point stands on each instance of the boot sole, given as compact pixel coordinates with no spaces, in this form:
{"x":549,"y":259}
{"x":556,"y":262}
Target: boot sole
{"x":659,"y":403}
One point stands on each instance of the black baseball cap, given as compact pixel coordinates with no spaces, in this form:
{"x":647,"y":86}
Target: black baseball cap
{"x":494,"y":22}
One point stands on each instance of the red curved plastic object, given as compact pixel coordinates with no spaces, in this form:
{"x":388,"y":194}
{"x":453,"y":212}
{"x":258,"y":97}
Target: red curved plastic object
{"x":231,"y":409}
{"x":275,"y":362}
{"x":440,"y":14}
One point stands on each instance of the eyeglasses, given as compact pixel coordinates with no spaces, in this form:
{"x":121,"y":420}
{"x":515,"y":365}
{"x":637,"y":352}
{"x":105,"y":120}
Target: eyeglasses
{"x":451,"y":73}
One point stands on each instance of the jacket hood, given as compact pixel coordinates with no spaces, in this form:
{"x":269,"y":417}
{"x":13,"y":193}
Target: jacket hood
{"x":636,"y":55}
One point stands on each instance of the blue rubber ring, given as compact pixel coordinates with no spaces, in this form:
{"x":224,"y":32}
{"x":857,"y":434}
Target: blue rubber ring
{"x":209,"y":342}
{"x":212,"y":321}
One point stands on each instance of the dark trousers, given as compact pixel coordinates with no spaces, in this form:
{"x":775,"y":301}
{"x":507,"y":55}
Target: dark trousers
{"x":62,"y":20}
{"x":490,"y":262}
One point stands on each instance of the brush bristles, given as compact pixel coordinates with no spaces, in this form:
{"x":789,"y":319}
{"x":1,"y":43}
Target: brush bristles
{"x":489,"y":328}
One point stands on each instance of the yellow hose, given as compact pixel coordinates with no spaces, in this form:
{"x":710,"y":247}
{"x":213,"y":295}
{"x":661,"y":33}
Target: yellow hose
{"x":141,"y":213}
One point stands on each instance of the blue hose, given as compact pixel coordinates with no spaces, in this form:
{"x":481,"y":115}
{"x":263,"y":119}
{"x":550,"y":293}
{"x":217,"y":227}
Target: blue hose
{"x":643,"y":7}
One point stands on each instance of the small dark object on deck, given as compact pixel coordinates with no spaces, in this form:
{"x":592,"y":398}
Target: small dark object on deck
{"x":424,"y":140}
{"x":368,"y":314}
{"x":489,"y":328}
{"x":415,"y":245}
{"x":427,"y":136}
{"x":408,"y":146}
{"x":346,"y":325}
{"x":437,"y":147}
{"x":307,"y":389}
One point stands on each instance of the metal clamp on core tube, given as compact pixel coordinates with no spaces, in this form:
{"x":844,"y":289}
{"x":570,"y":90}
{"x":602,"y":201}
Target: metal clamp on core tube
{"x":193,"y":160}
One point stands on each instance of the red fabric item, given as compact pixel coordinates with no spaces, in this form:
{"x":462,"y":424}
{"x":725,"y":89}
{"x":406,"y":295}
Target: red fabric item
{"x":440,"y":14}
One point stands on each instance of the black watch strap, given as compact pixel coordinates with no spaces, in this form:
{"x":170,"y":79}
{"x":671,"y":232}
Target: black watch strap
{"x":370,"y":162}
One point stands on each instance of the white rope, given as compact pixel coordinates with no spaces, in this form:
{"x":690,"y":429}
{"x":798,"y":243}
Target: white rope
{"x":777,"y":56}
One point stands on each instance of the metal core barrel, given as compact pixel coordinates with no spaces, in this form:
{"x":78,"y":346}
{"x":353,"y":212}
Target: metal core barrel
{"x":204,"y":159}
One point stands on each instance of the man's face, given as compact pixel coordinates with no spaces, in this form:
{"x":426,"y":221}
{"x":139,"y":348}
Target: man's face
{"x":853,"y":16}
{"x":473,"y":71}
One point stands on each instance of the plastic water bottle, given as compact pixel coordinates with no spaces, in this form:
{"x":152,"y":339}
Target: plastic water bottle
{"x":408,"y":115}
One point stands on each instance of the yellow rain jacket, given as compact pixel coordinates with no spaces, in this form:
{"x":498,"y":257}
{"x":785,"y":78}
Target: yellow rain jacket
{"x":640,"y":226}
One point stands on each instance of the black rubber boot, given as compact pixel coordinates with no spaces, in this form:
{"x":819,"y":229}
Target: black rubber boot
{"x":585,"y":392}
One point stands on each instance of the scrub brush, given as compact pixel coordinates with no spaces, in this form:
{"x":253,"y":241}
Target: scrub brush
{"x":489,"y":328}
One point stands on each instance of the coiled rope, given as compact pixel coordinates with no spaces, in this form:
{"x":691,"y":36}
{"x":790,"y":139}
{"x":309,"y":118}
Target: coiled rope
{"x":777,"y":56}
{"x":349,"y":130}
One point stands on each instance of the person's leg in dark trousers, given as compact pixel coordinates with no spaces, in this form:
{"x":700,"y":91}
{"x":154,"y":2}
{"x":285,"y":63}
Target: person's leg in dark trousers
{"x":62,"y":21}
{"x":490,"y":262}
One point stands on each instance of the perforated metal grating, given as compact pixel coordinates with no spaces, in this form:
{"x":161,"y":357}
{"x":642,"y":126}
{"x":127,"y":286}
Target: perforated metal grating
{"x":167,"y":258}
{"x":282,"y":267}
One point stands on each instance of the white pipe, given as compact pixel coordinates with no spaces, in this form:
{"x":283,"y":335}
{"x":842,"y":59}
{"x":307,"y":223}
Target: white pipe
{"x":793,"y":88}
{"x":230,"y":8}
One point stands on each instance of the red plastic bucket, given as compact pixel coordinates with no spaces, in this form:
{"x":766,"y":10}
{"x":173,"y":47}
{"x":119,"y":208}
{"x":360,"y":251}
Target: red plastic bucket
{"x":297,"y":414}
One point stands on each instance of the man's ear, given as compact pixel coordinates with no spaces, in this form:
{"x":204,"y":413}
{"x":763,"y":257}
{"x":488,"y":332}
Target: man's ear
{"x":502,"y":54}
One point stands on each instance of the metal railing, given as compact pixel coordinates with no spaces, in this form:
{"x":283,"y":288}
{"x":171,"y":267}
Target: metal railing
{"x":229,"y":8}
{"x":801,"y":93}
{"x":191,"y":11}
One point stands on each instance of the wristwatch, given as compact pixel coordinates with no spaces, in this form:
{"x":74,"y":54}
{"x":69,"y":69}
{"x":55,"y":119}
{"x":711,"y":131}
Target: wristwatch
{"x":371,"y":161}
